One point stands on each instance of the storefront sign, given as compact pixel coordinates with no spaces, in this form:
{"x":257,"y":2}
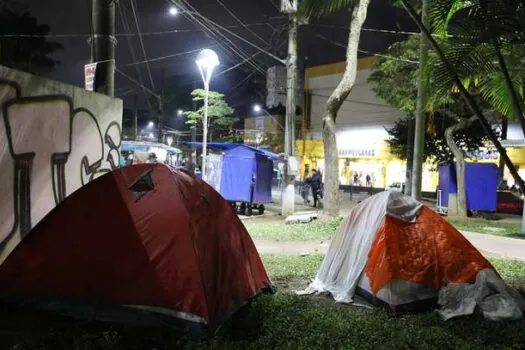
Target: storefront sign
{"x":352,"y":152}
{"x":482,"y":155}
{"x":89,"y":76}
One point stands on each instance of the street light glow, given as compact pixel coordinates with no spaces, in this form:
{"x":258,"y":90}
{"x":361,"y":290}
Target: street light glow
{"x":173,"y":11}
{"x":151,"y":124}
{"x":257,"y":108}
{"x":151,"y":136}
{"x":207,"y":60}
{"x":180,"y":112}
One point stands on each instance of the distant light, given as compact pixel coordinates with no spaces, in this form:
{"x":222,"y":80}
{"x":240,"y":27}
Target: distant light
{"x":257,"y":108}
{"x":180,"y":112}
{"x":174,"y":11}
{"x":151,"y":136}
{"x":151,"y":124}
{"x":169,"y":140}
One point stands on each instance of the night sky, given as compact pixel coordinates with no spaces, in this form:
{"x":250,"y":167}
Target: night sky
{"x":74,"y":16}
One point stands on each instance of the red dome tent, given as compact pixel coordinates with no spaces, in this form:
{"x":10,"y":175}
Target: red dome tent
{"x":146,"y":238}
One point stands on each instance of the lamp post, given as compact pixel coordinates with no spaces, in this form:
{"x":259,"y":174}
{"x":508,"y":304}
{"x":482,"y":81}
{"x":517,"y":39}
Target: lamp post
{"x":207,"y":60}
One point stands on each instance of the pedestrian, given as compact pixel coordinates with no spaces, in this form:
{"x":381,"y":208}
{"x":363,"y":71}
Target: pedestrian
{"x":315,"y":183}
{"x":305,"y":189}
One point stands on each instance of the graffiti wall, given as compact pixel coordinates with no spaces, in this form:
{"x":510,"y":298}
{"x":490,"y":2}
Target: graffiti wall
{"x":54,"y":138}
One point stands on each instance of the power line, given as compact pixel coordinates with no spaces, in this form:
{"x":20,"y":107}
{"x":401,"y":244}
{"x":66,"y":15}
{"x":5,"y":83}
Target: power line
{"x":155,"y":59}
{"x":237,"y":65}
{"x":125,"y":24}
{"x":153,"y":93}
{"x":333,"y":42}
{"x":239,"y":84}
{"x":240,"y":22}
{"x":83,"y":35}
{"x":132,"y":2}
{"x":204,"y":22}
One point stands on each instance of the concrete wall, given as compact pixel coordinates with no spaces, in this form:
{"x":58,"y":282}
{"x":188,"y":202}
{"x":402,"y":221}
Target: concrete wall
{"x":54,"y":138}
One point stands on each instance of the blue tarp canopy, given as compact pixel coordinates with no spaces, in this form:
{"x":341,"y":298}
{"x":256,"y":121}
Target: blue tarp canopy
{"x":131,"y":146}
{"x":229,"y":146}
{"x":481,"y":184}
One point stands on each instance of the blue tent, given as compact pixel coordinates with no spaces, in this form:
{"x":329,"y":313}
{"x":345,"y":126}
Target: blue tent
{"x":481,"y":184}
{"x":230,"y":146}
{"x":246,"y":176}
{"x":246,"y":172}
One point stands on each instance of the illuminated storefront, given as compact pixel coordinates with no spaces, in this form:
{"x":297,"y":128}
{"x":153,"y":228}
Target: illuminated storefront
{"x":357,"y":165}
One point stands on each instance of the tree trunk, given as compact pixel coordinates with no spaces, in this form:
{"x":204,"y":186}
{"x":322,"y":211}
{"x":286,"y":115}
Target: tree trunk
{"x":422,"y":92}
{"x":334,"y":103}
{"x":410,"y":156}
{"x":466,"y":96}
{"x":331,"y":181}
{"x":460,"y":164}
{"x":504,"y":129}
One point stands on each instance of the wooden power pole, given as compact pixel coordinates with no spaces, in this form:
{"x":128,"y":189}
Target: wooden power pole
{"x":103,"y":45}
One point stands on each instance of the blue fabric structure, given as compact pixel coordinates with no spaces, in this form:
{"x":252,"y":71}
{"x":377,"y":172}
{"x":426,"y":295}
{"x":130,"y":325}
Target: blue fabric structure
{"x":481,"y":184}
{"x":246,"y":175}
{"x":230,"y":146}
{"x":246,"y":172}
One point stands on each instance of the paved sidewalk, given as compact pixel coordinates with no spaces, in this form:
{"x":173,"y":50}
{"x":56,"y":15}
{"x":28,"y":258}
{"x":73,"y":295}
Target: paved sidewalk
{"x":503,"y":247}
{"x":490,"y":246}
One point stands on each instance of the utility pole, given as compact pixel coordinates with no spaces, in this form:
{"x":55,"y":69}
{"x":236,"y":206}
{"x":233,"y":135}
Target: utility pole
{"x":290,"y":7}
{"x":161,"y":110}
{"x":422,"y":92}
{"x":103,"y":45}
{"x":193,"y":154}
{"x":136,"y":118}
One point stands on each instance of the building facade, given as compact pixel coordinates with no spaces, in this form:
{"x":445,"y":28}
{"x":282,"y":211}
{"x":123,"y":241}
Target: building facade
{"x":364,"y":155}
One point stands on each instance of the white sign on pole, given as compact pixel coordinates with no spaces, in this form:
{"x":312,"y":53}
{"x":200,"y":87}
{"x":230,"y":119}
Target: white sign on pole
{"x":289,"y":6}
{"x":89,"y":76}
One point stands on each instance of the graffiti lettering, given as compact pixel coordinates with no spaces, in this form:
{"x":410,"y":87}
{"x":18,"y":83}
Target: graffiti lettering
{"x":48,"y":150}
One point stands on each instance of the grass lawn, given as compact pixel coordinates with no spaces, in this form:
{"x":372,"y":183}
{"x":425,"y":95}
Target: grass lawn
{"x":281,"y":321}
{"x":278,"y":230}
{"x":489,"y":227}
{"x":325,"y":229}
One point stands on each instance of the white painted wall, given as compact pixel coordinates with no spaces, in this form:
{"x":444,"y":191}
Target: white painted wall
{"x":363,"y":117}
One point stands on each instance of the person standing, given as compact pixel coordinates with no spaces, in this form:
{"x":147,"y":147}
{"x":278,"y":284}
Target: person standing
{"x":315,"y":183}
{"x":305,"y":189}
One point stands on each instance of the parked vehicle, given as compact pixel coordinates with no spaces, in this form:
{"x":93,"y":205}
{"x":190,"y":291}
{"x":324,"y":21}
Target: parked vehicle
{"x":509,"y":203}
{"x":397,"y":187}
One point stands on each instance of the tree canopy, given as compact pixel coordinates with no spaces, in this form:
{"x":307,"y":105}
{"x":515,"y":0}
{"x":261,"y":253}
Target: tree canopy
{"x":469,"y":140}
{"x":395,"y":81}
{"x":220,"y":114}
{"x":29,"y":54}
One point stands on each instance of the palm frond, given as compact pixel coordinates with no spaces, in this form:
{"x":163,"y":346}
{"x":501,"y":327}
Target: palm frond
{"x":323,"y":8}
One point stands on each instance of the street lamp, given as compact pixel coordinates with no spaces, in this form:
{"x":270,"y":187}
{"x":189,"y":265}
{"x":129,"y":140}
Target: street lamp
{"x":259,"y":109}
{"x":151,"y":125}
{"x":173,"y":11}
{"x":180,"y":112}
{"x":207,"y":60}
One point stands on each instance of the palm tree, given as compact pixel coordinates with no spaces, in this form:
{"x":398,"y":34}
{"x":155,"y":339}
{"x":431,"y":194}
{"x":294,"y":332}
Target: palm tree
{"x":470,"y":55}
{"x":486,"y":45}
{"x":321,"y":8}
